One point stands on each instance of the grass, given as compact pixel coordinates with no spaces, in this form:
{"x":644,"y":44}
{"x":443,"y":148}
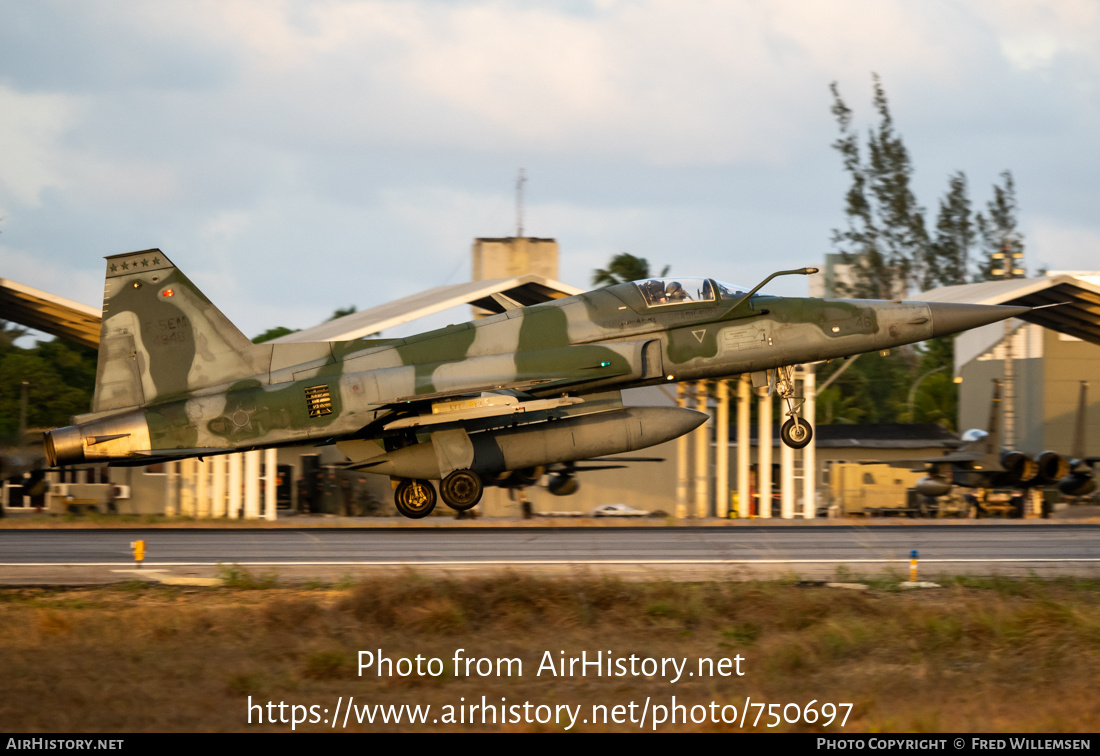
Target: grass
{"x":978,"y":655}
{"x":241,"y":578}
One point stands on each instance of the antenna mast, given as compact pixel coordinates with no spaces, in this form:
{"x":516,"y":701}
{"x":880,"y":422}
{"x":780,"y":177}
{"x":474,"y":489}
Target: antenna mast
{"x":519,"y":204}
{"x":1010,"y":256}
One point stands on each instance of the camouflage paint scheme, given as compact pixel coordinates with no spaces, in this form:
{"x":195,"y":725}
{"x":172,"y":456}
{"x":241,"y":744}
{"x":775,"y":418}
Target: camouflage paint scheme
{"x":177,"y":379}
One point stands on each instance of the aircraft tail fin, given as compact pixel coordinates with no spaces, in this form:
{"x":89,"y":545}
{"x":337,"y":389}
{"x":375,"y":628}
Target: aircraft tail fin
{"x":162,"y":337}
{"x":991,"y":443}
{"x":1078,"y":450}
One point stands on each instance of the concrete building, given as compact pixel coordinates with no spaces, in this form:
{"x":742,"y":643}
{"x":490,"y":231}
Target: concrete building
{"x":837,"y":275}
{"x":514,"y":256}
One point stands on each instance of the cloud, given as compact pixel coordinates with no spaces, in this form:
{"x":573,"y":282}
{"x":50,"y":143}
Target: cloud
{"x":1054,"y":244}
{"x":1033,"y":35}
{"x":52,"y":275}
{"x":31,"y":126}
{"x":659,"y":82}
{"x":329,"y":152}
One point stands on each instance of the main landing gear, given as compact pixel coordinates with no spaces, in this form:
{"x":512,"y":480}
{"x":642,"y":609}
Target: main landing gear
{"x":461,"y":490}
{"x":796,"y":432}
{"x":414,"y":498}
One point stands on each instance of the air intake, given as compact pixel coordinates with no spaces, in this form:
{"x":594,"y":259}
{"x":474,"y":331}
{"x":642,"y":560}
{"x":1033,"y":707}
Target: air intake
{"x":318,"y":401}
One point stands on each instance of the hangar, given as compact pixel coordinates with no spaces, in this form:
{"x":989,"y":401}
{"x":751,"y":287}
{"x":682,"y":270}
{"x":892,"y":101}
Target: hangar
{"x":1047,"y":355}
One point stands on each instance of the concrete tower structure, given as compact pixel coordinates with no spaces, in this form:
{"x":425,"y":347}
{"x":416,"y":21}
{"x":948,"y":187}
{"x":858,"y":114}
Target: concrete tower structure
{"x":514,"y":256}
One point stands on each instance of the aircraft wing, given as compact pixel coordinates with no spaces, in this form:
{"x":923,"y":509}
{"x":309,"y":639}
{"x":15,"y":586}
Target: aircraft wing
{"x":516,"y":386}
{"x":473,"y":407}
{"x":610,"y":463}
{"x":154,"y":456}
{"x":553,"y":370}
{"x":959,"y":456}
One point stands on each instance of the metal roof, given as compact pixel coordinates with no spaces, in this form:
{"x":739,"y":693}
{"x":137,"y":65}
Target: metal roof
{"x":523,"y":290}
{"x":49,"y":313}
{"x":1078,"y":314}
{"x":80,"y":323}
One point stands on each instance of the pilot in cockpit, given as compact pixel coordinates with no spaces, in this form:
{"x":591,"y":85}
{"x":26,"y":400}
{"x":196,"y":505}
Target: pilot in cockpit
{"x":674,"y":292}
{"x":653,"y":291}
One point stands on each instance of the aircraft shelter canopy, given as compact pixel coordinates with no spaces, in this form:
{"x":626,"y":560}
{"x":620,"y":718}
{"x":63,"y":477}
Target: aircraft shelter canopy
{"x":80,"y":323}
{"x":49,"y":313}
{"x":1077,"y":313}
{"x":495,"y":295}
{"x":1078,"y":296}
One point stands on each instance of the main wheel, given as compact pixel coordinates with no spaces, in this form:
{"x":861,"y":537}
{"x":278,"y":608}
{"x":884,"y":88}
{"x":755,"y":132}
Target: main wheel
{"x":414,"y":498}
{"x":461,"y":490}
{"x":796,"y":435}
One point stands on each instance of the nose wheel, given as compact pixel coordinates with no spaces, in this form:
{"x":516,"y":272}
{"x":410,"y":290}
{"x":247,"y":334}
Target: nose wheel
{"x":461,"y":490}
{"x":796,"y":432}
{"x":414,"y":498}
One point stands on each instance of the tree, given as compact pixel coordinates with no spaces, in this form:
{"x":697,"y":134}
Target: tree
{"x":273,"y":333}
{"x":624,"y":267}
{"x":277,"y":331}
{"x":936,"y":398}
{"x":999,"y":234}
{"x":836,"y":407}
{"x":890,"y":251}
{"x":885,"y":241}
{"x":873,"y":389}
{"x":949,"y":255}
{"x":61,"y":381}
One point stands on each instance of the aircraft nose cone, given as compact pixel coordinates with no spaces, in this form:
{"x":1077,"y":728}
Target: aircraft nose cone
{"x":951,"y":317}
{"x":662,"y":424}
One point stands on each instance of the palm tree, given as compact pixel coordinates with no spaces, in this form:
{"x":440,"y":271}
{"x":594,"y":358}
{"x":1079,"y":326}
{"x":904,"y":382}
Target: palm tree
{"x":624,"y":267}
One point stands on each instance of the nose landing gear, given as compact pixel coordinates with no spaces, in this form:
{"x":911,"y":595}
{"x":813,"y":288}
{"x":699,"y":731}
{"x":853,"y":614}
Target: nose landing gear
{"x":796,"y":432}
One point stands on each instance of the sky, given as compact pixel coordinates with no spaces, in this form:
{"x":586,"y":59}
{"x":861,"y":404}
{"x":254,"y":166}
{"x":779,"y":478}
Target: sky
{"x":296,"y":157}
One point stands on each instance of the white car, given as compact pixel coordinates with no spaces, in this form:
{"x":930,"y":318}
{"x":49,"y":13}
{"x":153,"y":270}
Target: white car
{"x":617,"y":510}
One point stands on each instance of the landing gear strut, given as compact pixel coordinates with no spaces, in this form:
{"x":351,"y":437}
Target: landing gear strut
{"x":461,"y":490}
{"x":414,"y":498}
{"x":796,"y":433}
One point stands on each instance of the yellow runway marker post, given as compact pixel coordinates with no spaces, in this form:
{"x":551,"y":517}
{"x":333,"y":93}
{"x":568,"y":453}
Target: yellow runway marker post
{"x":138,"y":547}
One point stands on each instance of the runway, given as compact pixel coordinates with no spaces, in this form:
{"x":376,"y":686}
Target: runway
{"x":807,"y":551}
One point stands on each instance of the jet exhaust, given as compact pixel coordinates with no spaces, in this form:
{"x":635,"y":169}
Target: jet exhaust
{"x":1052,"y":467}
{"x":1019,"y":468}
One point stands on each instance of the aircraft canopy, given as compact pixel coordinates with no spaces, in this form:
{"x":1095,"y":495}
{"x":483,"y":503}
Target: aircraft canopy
{"x":658,"y":292}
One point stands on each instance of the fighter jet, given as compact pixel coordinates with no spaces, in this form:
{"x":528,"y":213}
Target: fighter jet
{"x":16,"y":461}
{"x":1081,"y":479}
{"x":983,"y":463}
{"x":22,"y":454}
{"x":469,"y":403}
